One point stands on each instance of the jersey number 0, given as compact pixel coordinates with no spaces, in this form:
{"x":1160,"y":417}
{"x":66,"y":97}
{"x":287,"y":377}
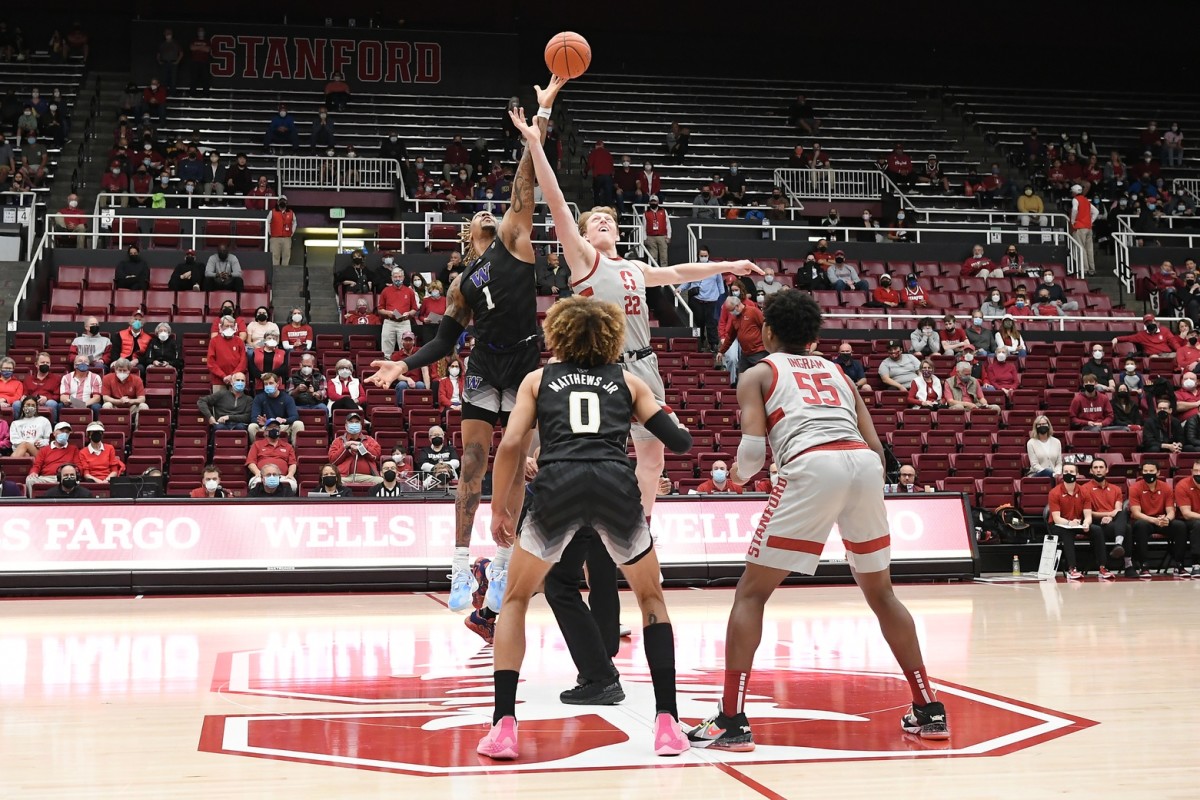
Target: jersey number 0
{"x":585,"y":412}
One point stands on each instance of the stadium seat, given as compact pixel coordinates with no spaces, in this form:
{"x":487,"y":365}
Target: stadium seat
{"x":71,"y":278}
{"x":165,"y":234}
{"x":217,"y":233}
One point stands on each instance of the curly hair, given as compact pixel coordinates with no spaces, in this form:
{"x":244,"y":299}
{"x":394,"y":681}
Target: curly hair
{"x":584,"y":331}
{"x":585,"y":216}
{"x":795,"y":319}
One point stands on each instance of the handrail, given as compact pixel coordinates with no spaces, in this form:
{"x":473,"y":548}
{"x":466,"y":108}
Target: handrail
{"x":639,"y":238}
{"x":200,"y":200}
{"x":1060,"y":321}
{"x":193,"y":235}
{"x":1190,"y":185}
{"x":993,"y":217}
{"x":30,"y":222}
{"x":640,"y":208}
{"x":336,"y":172}
{"x":1126,"y":240}
{"x":343,"y":237}
{"x":1125,"y":222}
{"x":837,"y":184}
{"x":23,"y":292}
{"x":499,"y":205}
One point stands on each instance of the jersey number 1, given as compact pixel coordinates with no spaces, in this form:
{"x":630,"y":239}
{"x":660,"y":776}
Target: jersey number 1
{"x":817,"y":389}
{"x":487,"y":295}
{"x":576,"y":402}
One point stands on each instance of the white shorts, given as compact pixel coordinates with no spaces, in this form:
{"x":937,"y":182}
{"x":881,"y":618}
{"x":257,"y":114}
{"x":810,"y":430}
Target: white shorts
{"x":647,"y":370}
{"x":817,"y":490}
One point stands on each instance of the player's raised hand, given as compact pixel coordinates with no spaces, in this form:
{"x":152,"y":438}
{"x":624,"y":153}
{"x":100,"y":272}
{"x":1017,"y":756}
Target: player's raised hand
{"x":545,"y":97}
{"x":386,"y":373}
{"x":743,"y":267}
{"x":502,"y":527}
{"x":527,"y":129}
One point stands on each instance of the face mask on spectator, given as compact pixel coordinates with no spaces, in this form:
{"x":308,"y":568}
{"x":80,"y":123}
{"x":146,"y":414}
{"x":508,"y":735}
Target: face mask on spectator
{"x":31,"y":411}
{"x":62,"y":438}
{"x":1068,"y":477}
{"x":1001,"y":356}
{"x":81,"y":367}
{"x":227,"y":332}
{"x":271,"y":342}
{"x":273,"y":433}
{"x":389,"y":475}
{"x":1043,"y":430}
{"x":297,"y":318}
{"x":271,"y":391}
{"x":719,"y":475}
{"x":1189,"y":384}
{"x":271,"y":481}
{"x":239,"y":386}
{"x":69,"y":483}
{"x":436,"y":441}
{"x":261,"y":316}
{"x":353,"y":428}
{"x":212,"y":484}
{"x":343,"y":373}
{"x":434,"y":293}
{"x":1089,"y":387}
{"x":122,"y":375}
{"x":1150,"y":477}
{"x":453,"y":372}
{"x":306,"y":370}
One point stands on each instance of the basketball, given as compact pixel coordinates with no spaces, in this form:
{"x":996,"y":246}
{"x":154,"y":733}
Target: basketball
{"x":568,"y":55}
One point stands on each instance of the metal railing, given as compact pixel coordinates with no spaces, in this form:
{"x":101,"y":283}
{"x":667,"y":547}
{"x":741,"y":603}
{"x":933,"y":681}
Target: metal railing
{"x":23,"y":292}
{"x":499,"y":207}
{"x":335,"y":173}
{"x":846,"y":234}
{"x":1059,"y":323}
{"x":685,"y":210}
{"x":1125,"y":223}
{"x":1125,"y":240}
{"x":991,"y":218}
{"x":359,"y":233}
{"x":1190,"y":185}
{"x":833,"y":184}
{"x":195,"y":200}
{"x":191,"y":234}
{"x":29,"y":212}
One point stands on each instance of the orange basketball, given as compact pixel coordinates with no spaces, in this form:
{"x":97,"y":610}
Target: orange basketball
{"x":568,"y":55}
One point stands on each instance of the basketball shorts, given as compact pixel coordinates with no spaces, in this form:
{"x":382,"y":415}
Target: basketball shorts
{"x":647,"y":370}
{"x":492,"y":381}
{"x":817,"y":490}
{"x":570,"y":495}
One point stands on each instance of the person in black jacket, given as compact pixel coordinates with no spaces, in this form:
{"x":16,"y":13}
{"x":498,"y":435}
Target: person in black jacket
{"x":552,"y":278}
{"x":810,"y":277}
{"x":133,"y":272}
{"x":1126,"y":410}
{"x":188,"y":275}
{"x":1163,"y":433}
{"x":164,"y":348}
{"x":355,"y":277}
{"x":68,"y":487}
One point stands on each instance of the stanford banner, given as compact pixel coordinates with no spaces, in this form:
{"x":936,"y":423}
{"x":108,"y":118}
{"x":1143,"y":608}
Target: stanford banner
{"x":371,"y":59}
{"x":167,"y":535}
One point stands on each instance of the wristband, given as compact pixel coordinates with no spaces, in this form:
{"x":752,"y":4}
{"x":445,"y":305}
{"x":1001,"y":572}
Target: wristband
{"x":544,"y":112}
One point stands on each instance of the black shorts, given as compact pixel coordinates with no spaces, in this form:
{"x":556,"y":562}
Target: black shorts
{"x":492,"y":381}
{"x":602,"y":495}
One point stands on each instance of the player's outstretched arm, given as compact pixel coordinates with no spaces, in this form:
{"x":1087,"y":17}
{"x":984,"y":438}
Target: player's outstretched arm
{"x":685,"y":273}
{"x":752,"y":451}
{"x":517,"y":223}
{"x":648,"y":412}
{"x":579,"y":252}
{"x":455,"y":321}
{"x":509,"y":466}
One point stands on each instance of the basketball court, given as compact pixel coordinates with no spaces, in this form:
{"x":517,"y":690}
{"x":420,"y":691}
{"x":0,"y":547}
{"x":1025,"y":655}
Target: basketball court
{"x":1051,"y":688}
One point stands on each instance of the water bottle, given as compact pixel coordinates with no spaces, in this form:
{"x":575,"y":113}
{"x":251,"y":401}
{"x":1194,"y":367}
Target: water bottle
{"x":1016,"y":567}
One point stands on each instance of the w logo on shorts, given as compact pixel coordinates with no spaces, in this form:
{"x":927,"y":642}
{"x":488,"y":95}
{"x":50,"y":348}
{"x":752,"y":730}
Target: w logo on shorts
{"x":474,"y":382}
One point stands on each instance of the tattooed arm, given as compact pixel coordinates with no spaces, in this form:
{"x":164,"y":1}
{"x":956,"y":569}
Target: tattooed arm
{"x":517,"y":225}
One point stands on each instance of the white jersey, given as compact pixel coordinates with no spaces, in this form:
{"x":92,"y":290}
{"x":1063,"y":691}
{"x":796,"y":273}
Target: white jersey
{"x":615,"y":280}
{"x":810,"y":404}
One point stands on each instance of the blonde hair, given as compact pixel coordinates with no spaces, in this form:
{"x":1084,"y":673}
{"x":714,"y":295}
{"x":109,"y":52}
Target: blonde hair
{"x":1033,"y":429}
{"x":585,"y":216}
{"x":583,"y":331}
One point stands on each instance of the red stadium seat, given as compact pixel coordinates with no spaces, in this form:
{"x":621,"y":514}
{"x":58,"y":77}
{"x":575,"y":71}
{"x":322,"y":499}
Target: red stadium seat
{"x":217,"y":233}
{"x":71,"y":278}
{"x":165,"y":234}
{"x":65,"y":301}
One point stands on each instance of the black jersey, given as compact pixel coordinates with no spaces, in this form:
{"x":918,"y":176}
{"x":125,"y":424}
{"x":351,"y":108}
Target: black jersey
{"x":501,"y":291}
{"x":583,"y":414}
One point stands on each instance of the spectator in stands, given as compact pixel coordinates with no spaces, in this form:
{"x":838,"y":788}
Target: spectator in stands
{"x":91,"y":345}
{"x":27,"y":123}
{"x":154,"y":99}
{"x":190,"y":168}
{"x":768,"y":285}
{"x":746,"y":329}
{"x":72,"y":219}
{"x":1057,"y":294}
{"x":77,"y":42}
{"x":600,"y":167}
{"x":199,"y":64}
{"x":981,"y":339}
{"x":169,"y":56}
{"x":450,"y":388}
{"x":931,"y":174}
{"x":344,"y":389}
{"x":954,"y":338}
{"x":899,"y":369}
{"x":1127,"y":411}
{"x":456,"y":157}
{"x":296,"y":335}
{"x":651,"y":181}
{"x":273,"y":448}
{"x":439,"y":452}
{"x":281,"y":129}
{"x":1151,"y":511}
{"x":268,"y":358}
{"x":331,"y":483}
{"x":228,"y":408}
{"x":924,"y":339}
{"x":1009,"y":336}
{"x":1163,"y":432}
{"x":123,"y":389}
{"x":43,"y":385}
{"x":10,"y":488}
{"x":802,"y":115}
{"x":1043,"y":306}
{"x":164,"y":348}
{"x":98,"y":461}
{"x":978,"y":265}
{"x":1083,"y":216}
{"x":964,"y":390}
{"x":809,"y":276}
{"x":226,"y":355}
{"x":1098,"y":368}
{"x":765,"y":485}
{"x":238,"y":180}
{"x":322,"y":134}
{"x":702,"y":300}
{"x":704,"y":205}
{"x":262,"y":326}
{"x":398,"y":305}
{"x":271,"y":484}
{"x":281,"y":223}
{"x":1091,"y":409}
{"x":480,"y":158}
{"x":214,"y":176}
{"x":133,"y":342}
{"x":415,"y":379}
{"x":1152,"y":340}
{"x":361,"y":314}
{"x":141,"y":186}
{"x":50,"y":458}
{"x":80,"y":388}
{"x":355,"y":454}
{"x":1187,"y":398}
{"x":307,"y":385}
{"x":355,"y":278}
{"x":35,"y":160}
{"x":1131,"y":378}
{"x":1000,"y":373}
{"x":1187,"y":357}
{"x":11,"y":389}
{"x":1018,"y":304}
{"x":625,"y":183}
{"x":186,"y":275}
{"x":677,"y":142}
{"x":1030,"y":206}
{"x":337,"y":92}
{"x":223,"y":272}
{"x":554,"y":279}
{"x":68,"y":488}
{"x":1070,"y":514}
{"x":914,"y":294}
{"x":210,"y":485}
{"x":925,"y":391}
{"x":258,"y":198}
{"x":900,"y":167}
{"x":29,"y":432}
{"x":228,"y":309}
{"x":718,"y":482}
{"x":1172,"y":146}
{"x":1044,"y":450}
{"x":8,"y":164}
{"x":842,"y":275}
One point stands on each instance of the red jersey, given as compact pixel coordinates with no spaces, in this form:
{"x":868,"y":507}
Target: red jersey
{"x":1069,"y":505}
{"x":1102,"y":498}
{"x":1153,"y":502}
{"x":1187,"y":494}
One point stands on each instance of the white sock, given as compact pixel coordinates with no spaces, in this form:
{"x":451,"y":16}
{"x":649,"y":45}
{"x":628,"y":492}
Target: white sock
{"x":503,"y":554}
{"x":1129,"y":562}
{"x":462,"y":558}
